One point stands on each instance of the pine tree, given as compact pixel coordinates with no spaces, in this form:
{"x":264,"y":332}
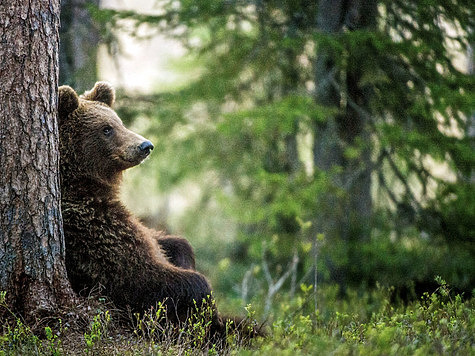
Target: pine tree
{"x":32,"y":268}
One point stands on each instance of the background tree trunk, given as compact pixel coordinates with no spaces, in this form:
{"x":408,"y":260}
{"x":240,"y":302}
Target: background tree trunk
{"x":79,"y":44}
{"x":470,"y":131}
{"x":32,"y":268}
{"x":345,"y":215}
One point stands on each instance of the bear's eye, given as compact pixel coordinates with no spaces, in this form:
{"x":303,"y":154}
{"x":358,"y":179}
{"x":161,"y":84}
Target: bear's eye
{"x":107,"y":130}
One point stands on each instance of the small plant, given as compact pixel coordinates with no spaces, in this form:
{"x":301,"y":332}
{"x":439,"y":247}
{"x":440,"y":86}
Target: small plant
{"x":17,"y":337}
{"x":199,"y":325}
{"x":53,"y":340}
{"x":195,"y":335}
{"x":98,"y":330}
{"x":153,"y":324}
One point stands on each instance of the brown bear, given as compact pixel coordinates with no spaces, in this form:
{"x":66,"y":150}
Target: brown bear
{"x":105,"y":245}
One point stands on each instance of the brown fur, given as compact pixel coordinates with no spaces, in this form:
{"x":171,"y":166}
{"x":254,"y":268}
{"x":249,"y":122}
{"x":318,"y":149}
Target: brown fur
{"x":105,"y":244}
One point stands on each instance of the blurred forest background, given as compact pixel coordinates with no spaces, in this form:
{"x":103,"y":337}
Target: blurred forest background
{"x":297,"y":143}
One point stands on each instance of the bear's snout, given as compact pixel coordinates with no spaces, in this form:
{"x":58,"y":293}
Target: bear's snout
{"x":145,"y":147}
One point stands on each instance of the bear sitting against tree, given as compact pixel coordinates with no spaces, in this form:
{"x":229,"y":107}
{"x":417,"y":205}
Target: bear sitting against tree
{"x":105,"y":244}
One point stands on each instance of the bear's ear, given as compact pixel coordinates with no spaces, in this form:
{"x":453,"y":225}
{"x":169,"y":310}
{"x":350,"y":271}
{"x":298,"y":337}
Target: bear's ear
{"x":68,"y":101}
{"x":102,"y":92}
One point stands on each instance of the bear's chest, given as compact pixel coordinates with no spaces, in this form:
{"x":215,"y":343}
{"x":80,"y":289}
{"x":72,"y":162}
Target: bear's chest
{"x":101,"y":243}
{"x":96,"y":227}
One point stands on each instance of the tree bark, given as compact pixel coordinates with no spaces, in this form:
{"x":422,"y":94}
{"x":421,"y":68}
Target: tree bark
{"x":344,"y":215}
{"x":79,"y":44}
{"x":32,"y":268}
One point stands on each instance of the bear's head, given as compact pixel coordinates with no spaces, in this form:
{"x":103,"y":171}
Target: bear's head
{"x":94,"y":144}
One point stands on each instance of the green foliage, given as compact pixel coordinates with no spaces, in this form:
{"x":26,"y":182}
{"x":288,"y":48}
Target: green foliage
{"x":245,"y":129}
{"x":412,"y":261}
{"x":439,"y":323}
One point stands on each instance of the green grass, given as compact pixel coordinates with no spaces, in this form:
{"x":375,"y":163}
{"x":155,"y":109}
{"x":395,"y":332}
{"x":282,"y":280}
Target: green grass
{"x":436,"y":324}
{"x":362,"y":323}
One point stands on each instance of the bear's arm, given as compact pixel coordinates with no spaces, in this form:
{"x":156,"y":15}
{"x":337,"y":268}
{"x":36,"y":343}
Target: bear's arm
{"x":178,"y":251}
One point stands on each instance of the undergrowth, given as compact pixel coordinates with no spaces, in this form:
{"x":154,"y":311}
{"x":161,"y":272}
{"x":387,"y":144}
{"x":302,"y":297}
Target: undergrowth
{"x":362,"y":323}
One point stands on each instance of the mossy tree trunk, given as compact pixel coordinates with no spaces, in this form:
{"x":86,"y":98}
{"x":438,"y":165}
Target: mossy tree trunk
{"x":32,"y":266}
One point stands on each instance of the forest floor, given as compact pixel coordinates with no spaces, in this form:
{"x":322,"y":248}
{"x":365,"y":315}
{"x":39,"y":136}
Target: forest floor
{"x":439,"y":323}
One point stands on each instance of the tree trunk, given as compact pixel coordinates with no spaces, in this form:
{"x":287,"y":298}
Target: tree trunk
{"x":344,"y":215}
{"x":32,"y":268}
{"x":470,"y":131}
{"x":79,"y":44}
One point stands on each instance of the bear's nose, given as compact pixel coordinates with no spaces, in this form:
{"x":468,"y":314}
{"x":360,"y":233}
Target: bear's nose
{"x":145,"y":147}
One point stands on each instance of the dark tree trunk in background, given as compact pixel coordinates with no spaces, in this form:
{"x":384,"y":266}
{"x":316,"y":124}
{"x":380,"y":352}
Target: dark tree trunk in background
{"x":32,"y":268}
{"x":344,"y":218}
{"x":79,"y":44}
{"x":471,"y":116}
